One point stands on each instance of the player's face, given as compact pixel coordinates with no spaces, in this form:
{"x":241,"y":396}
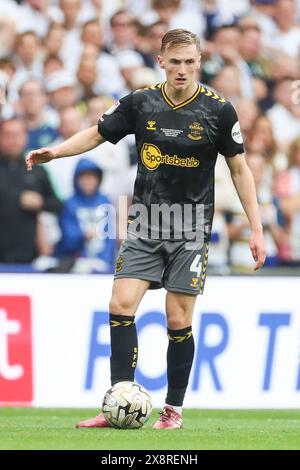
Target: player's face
{"x":181,"y":64}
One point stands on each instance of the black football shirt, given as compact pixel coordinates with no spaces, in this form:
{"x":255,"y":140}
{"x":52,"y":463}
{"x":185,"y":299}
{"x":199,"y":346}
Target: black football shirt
{"x":177,"y":145}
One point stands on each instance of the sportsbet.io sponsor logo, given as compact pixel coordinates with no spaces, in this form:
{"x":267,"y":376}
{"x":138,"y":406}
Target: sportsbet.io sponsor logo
{"x":152,"y":158}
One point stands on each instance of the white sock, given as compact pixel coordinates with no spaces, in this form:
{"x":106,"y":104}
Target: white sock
{"x":178,"y":409}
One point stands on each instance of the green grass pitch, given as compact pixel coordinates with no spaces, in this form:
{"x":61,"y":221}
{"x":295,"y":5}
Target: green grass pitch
{"x":29,"y":428}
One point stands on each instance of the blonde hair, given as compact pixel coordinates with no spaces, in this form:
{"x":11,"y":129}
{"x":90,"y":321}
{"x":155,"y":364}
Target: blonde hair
{"x":179,"y":37}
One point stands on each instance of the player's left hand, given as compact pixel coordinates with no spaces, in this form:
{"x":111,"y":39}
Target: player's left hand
{"x":257,"y":247}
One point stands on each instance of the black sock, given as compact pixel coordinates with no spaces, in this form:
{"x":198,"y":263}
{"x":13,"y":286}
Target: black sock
{"x":179,"y":361}
{"x":124,"y":348}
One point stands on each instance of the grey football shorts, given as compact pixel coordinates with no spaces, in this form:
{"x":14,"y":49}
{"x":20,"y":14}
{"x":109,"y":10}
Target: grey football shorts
{"x":164,"y":263}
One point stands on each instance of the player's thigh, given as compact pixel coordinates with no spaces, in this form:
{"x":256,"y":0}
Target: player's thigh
{"x":126,"y":295}
{"x":186,"y":269}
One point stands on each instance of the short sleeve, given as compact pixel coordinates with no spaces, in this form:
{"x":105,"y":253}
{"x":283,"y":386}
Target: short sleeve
{"x":230,"y":140}
{"x":117,"y":121}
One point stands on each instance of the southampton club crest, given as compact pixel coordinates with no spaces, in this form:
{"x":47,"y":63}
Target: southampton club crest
{"x":195,"y":131}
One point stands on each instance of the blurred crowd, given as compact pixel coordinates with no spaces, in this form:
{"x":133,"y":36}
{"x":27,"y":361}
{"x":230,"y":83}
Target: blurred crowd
{"x":64,"y":62}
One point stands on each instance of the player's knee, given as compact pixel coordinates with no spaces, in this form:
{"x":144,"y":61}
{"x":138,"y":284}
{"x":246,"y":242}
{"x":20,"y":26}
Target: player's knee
{"x":121,"y":306}
{"x":175,"y":323}
{"x":178,"y":317}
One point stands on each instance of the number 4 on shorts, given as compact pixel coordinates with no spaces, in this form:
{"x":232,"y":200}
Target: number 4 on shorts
{"x":196,"y":266}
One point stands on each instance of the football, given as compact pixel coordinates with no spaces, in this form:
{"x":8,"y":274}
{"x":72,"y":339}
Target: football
{"x":127,"y":405}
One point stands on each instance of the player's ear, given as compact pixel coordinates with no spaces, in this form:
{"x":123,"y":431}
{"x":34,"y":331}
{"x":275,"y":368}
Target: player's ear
{"x":160,"y":62}
{"x":199,"y":62}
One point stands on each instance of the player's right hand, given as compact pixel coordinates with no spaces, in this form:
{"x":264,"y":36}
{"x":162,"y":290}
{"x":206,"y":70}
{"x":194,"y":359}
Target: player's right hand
{"x":42,"y":155}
